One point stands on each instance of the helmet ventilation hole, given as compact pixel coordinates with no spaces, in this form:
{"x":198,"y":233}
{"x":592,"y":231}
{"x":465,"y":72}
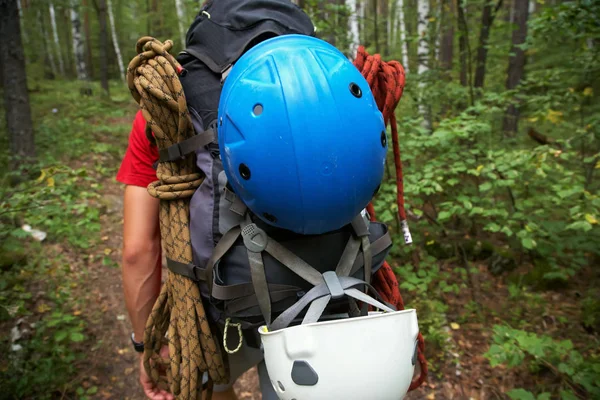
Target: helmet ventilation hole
{"x":244,"y":171}
{"x":281,"y":386}
{"x":355,"y":90}
{"x":257,"y":110}
{"x":383,"y":139}
{"x":269,"y":217}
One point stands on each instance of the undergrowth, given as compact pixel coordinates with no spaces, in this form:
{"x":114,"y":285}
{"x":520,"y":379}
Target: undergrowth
{"x":79,"y":140}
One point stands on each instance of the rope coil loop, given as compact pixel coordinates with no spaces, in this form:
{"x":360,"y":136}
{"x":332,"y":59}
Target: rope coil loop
{"x":178,"y":317}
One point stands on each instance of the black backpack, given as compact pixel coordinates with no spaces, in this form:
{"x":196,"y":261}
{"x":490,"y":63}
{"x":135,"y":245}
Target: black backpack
{"x":224,"y":233}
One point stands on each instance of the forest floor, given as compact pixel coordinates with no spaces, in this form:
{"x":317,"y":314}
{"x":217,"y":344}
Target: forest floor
{"x":458,"y":369}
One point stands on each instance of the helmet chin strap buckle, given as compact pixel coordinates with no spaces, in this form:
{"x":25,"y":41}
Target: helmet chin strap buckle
{"x":255,"y":239}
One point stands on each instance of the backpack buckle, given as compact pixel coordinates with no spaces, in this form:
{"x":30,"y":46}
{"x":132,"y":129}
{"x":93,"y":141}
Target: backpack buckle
{"x":255,"y":239}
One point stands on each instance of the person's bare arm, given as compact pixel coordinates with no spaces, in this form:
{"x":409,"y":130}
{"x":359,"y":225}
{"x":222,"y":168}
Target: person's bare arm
{"x":141,"y":256}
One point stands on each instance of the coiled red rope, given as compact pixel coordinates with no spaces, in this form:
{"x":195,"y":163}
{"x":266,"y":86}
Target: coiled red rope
{"x":386,"y":80}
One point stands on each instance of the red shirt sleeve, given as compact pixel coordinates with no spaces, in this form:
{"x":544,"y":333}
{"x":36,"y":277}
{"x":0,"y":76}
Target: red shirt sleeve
{"x":136,"y":168}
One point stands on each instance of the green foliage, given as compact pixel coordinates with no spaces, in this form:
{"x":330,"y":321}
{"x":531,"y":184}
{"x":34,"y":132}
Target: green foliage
{"x":79,"y":141}
{"x":529,"y":198}
{"x":578,"y":375}
{"x":590,"y":309}
{"x":58,"y":199}
{"x":47,"y":354}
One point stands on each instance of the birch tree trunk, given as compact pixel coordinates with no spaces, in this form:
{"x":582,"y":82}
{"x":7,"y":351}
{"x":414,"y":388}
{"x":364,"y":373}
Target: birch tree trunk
{"x":49,"y":57}
{"x":423,"y":54}
{"x":353,"y":28}
{"x":361,"y":22}
{"x":180,"y":19}
{"x":61,"y":65}
{"x":113,"y":30}
{"x":78,"y":45}
{"x":402,"y":28}
{"x":88,"y":41}
{"x":423,"y":48}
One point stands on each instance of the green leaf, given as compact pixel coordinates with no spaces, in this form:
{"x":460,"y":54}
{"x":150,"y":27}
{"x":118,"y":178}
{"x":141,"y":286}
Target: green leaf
{"x":61,"y":335}
{"x":544,"y":396}
{"x":520,"y":394}
{"x":568,"y":395}
{"x":493,"y":227}
{"x":528,"y":243}
{"x":92,"y":390}
{"x":444,"y":215}
{"x":484,"y":187}
{"x":580,"y":225}
{"x":77,"y":337}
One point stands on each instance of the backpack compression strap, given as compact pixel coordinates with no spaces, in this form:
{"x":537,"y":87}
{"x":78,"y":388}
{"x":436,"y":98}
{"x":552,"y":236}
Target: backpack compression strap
{"x":257,"y":241}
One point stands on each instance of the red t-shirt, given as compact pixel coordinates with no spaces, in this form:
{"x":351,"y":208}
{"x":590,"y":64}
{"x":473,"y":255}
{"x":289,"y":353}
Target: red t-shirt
{"x":136,"y":167}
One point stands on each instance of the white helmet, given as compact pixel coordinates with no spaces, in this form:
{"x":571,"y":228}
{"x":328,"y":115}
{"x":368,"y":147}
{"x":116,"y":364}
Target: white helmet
{"x":366,"y":357}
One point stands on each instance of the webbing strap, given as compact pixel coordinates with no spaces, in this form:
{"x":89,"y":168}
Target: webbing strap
{"x":191,"y":271}
{"x":321,"y":290}
{"x":377,"y":247}
{"x":240,"y":306}
{"x":220,"y":249}
{"x":294,"y":263}
{"x":238,"y":290}
{"x":316,"y":309}
{"x":259,"y":280}
{"x":348,"y":257}
{"x":367,"y":256}
{"x":181,"y":149}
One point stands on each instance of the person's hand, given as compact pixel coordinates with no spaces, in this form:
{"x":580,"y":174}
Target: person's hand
{"x":152,"y":391}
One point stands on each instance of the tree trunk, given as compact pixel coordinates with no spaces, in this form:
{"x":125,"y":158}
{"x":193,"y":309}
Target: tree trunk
{"x":16,"y":97}
{"x":516,"y":64}
{"x":375,"y":25}
{"x":61,"y":65}
{"x":447,"y":45}
{"x":180,"y":21}
{"x":462,"y":42}
{"x":403,"y":41}
{"x":23,"y":31}
{"x":48,"y":56}
{"x":487,"y":19}
{"x":362,"y":31}
{"x":353,"y":28}
{"x":101,"y":9}
{"x":88,"y":41}
{"x":115,"y":40}
{"x":423,"y":48}
{"x":385,"y":11}
{"x":423,"y":56}
{"x":78,"y":47}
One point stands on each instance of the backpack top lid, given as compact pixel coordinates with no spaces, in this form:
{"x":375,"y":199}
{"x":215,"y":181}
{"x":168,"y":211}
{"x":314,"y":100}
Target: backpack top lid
{"x":224,"y":29}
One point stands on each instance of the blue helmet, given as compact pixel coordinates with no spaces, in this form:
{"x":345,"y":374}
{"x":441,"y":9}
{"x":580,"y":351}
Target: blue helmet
{"x":301,"y":139}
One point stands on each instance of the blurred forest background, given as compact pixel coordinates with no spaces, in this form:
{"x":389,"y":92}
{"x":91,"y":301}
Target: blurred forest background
{"x":500,"y":139}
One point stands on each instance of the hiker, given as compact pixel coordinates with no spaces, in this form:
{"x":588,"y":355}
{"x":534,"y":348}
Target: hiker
{"x":277,"y":219}
{"x":142,"y":261}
